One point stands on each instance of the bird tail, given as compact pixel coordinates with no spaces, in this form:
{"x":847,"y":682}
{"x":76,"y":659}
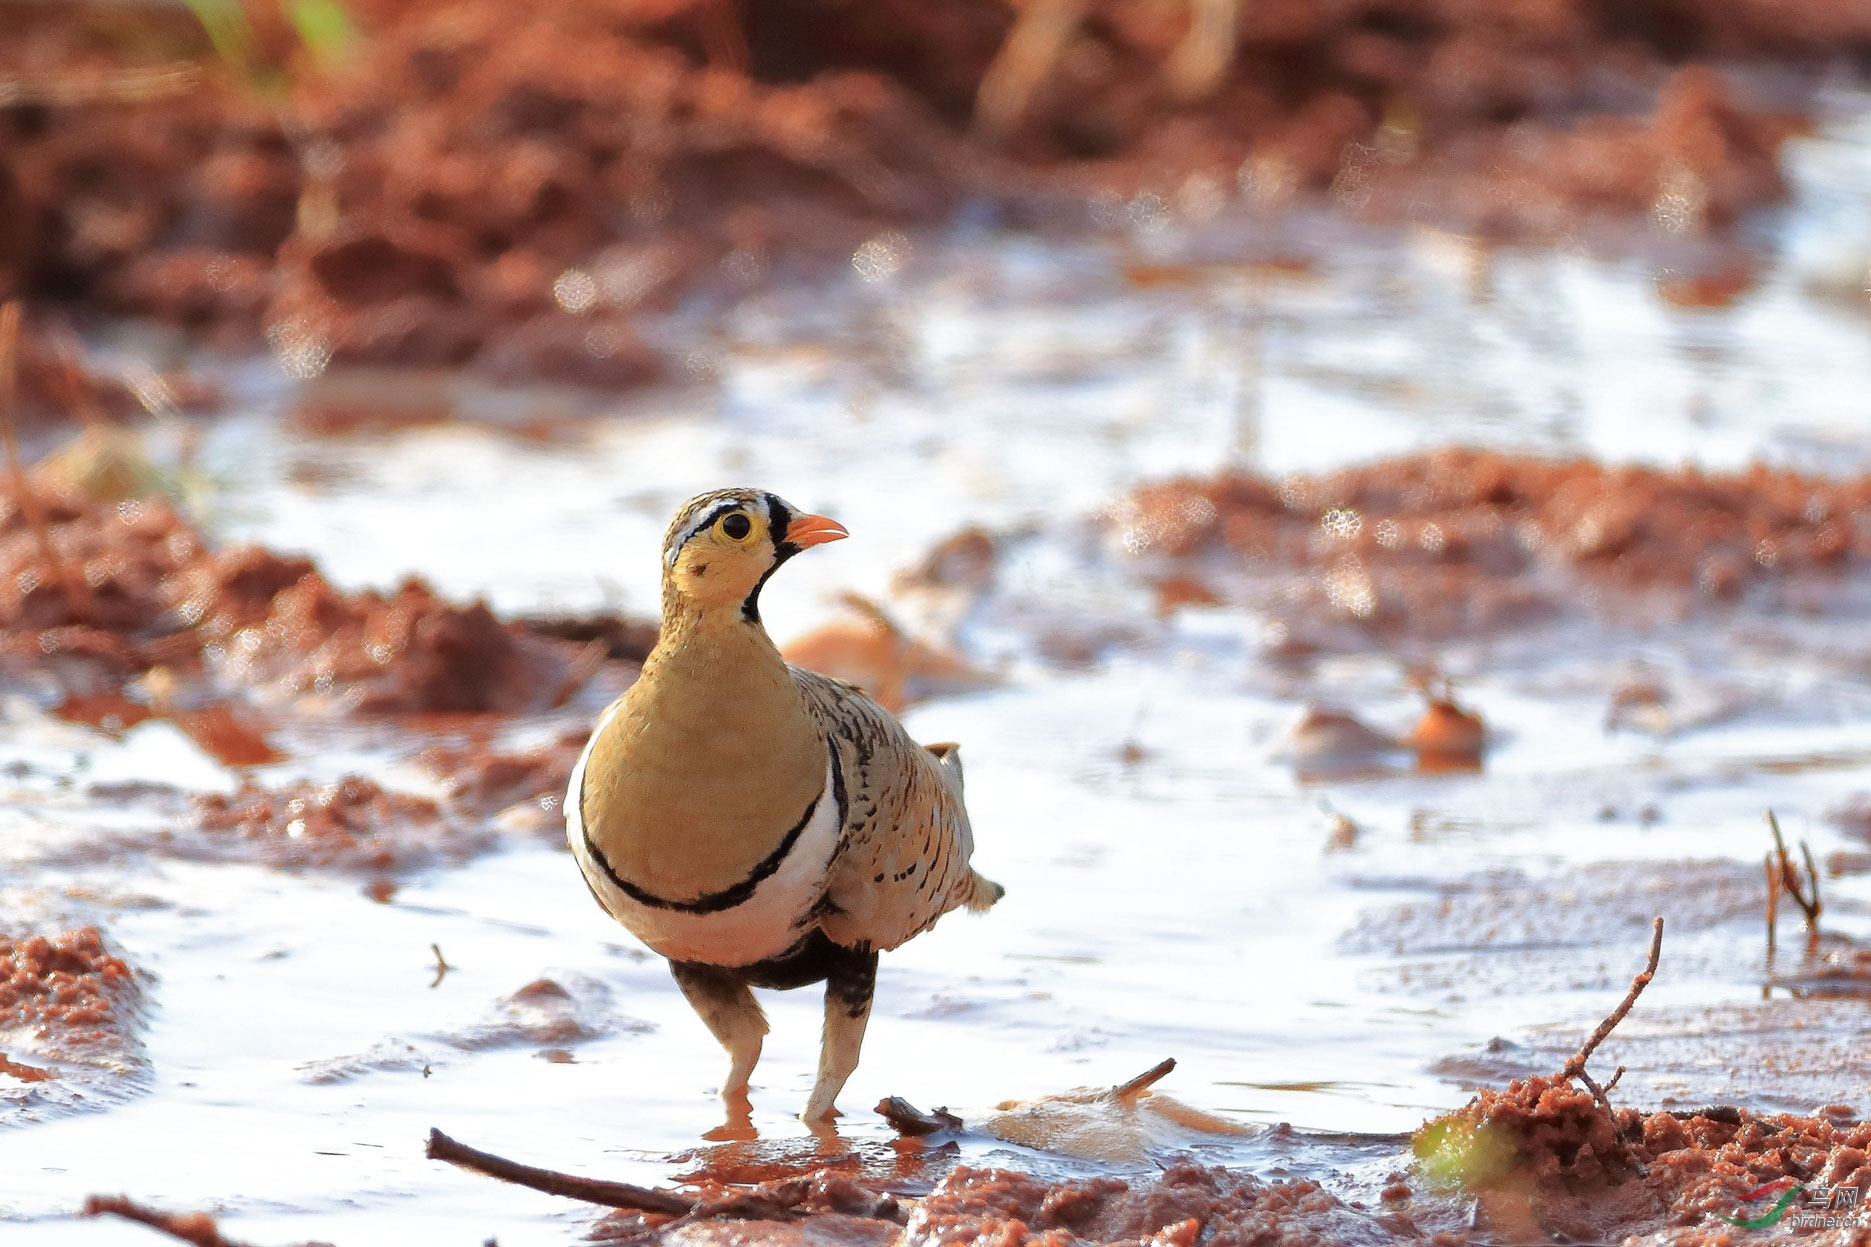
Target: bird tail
{"x":983,"y":892}
{"x":948,"y":755}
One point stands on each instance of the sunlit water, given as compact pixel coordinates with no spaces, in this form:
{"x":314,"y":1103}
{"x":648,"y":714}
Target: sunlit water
{"x":1176,"y":900}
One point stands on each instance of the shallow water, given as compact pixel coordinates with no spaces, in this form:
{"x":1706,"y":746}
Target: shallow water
{"x":1177,"y":898}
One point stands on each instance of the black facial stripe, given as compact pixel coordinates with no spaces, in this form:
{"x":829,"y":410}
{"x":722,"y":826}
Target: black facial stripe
{"x":779,"y":519}
{"x":728,"y":897}
{"x":707,"y":521}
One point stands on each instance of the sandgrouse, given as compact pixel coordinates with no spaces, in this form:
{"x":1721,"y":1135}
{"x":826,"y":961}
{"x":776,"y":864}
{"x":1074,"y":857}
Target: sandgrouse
{"x":757,"y":824}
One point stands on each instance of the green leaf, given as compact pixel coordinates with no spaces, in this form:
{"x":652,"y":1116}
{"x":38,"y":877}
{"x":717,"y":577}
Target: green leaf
{"x":325,"y":28}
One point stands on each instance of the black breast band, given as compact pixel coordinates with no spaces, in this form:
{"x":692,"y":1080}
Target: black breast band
{"x":735,"y":894}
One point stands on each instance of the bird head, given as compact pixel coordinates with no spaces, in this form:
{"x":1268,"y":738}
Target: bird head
{"x":722,"y":546}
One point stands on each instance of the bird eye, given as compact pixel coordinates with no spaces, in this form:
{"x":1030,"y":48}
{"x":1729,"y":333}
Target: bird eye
{"x":735,"y":525}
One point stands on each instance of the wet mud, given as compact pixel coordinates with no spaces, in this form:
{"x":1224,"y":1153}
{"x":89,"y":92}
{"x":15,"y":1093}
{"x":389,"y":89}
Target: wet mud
{"x":378,"y":750}
{"x":431,"y":184}
{"x":117,"y":614}
{"x":865,"y":647}
{"x":1464,"y":543}
{"x":549,"y":1016}
{"x":1545,"y":1159}
{"x":352,"y":824}
{"x":1539,"y":1161}
{"x":58,"y":381}
{"x":110,"y":588}
{"x":1189,"y":1203}
{"x":70,"y":1017}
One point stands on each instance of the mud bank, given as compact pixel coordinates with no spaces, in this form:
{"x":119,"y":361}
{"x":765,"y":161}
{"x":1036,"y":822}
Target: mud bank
{"x":465,"y":182}
{"x":70,"y":1012}
{"x":1187,"y":1204}
{"x":1539,"y":1161}
{"x":1464,"y":542}
{"x":108,"y":588}
{"x":1546,"y":1160}
{"x":115,"y":613}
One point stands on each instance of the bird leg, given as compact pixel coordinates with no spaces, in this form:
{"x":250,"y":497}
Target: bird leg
{"x":848,"y":988}
{"x":727,"y":1007}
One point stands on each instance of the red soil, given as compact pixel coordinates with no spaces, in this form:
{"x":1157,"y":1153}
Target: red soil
{"x":1465,"y":540}
{"x":1187,"y":1204}
{"x":131,"y":586}
{"x":67,"y":995}
{"x":1548,"y":1159}
{"x":512,"y":184}
{"x":350,"y":825}
{"x":485,"y":780}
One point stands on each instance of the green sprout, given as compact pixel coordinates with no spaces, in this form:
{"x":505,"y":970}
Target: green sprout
{"x":324,"y":28}
{"x":1456,"y":1152}
{"x":228,"y":29}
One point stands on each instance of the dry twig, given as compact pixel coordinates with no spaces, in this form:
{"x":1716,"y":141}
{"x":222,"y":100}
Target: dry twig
{"x":1156,"y":1073}
{"x":1783,"y":876}
{"x":777,"y":1201}
{"x":191,"y":1227}
{"x":906,"y":1119}
{"x":591,"y":1190}
{"x":1773,"y":902}
{"x":441,"y":966}
{"x":1575,"y":1065}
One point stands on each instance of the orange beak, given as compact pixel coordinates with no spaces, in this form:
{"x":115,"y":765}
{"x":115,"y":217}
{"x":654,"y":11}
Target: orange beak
{"x":813,"y":530}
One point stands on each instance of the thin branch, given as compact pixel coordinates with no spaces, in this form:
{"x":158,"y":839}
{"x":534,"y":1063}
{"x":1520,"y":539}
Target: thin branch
{"x":441,"y":966}
{"x":1575,"y":1066}
{"x":1812,"y":880}
{"x":1806,"y":898}
{"x":591,"y":1190}
{"x":1156,"y":1073}
{"x":191,"y":1227}
{"x":1773,"y":902}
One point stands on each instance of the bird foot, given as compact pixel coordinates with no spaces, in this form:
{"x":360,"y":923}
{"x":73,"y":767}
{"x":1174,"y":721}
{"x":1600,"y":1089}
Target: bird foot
{"x":825,"y":1130}
{"x":739,"y":1126}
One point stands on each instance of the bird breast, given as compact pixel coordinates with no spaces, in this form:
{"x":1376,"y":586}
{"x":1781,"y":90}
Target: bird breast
{"x":758,"y":916}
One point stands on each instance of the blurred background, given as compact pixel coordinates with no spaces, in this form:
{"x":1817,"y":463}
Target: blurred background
{"x":1379,"y":490}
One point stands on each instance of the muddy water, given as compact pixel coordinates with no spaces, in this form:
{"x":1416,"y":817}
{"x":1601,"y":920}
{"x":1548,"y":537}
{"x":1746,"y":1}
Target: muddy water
{"x":1175,"y":884}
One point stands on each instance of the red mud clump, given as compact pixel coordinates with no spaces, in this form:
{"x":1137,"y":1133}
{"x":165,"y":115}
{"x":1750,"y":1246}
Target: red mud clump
{"x":486,"y":780}
{"x":110,"y":589}
{"x":352,"y":824}
{"x":88,"y":580}
{"x":67,"y":1001}
{"x":1463,"y":541}
{"x":1186,"y":1205}
{"x":55,"y":382}
{"x":1545,"y":1159}
{"x":511,"y":185}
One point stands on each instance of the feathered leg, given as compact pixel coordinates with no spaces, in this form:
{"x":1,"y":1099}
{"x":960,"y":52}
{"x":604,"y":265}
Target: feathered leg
{"x":727,"y":1007}
{"x":848,"y":989}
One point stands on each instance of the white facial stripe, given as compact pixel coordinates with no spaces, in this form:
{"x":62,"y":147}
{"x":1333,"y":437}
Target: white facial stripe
{"x":702,"y":521}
